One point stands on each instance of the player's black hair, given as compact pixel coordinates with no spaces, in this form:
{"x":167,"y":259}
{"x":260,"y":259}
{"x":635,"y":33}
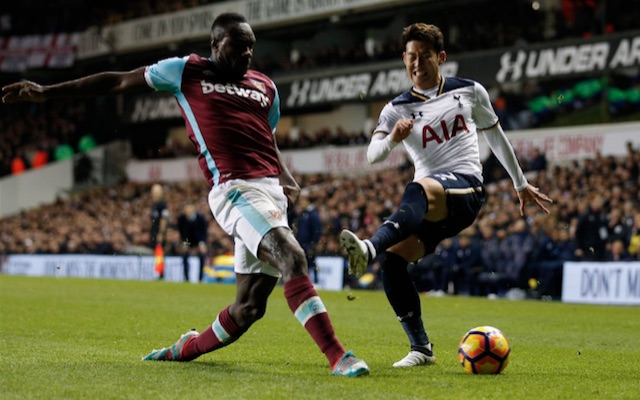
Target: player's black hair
{"x":422,"y":32}
{"x":223,"y":21}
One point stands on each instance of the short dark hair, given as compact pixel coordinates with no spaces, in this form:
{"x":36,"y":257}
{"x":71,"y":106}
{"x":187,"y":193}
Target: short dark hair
{"x":223,"y":21}
{"x":422,"y":32}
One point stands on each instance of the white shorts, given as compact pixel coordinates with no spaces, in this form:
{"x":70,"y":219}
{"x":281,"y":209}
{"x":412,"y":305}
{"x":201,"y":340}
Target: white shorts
{"x":248,"y":210}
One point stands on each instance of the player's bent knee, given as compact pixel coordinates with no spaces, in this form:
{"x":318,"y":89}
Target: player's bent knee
{"x":251,"y":312}
{"x":292,"y":256}
{"x":280,"y":249}
{"x":411,"y":249}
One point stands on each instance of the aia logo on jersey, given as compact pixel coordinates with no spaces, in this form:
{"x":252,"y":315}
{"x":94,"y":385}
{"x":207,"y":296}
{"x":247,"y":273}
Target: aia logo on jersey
{"x":259,"y":85}
{"x":275,"y":214}
{"x":443,"y":133}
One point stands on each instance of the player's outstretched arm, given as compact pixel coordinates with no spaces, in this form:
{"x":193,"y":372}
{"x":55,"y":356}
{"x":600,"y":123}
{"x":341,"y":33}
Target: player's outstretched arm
{"x":504,"y":152}
{"x":532,"y":194}
{"x":101,"y":84}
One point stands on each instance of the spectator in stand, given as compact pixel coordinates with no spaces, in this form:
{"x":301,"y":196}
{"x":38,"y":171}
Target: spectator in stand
{"x":542,"y":245}
{"x":519,"y":243}
{"x":445,"y":257}
{"x":617,"y":228}
{"x":308,"y":230}
{"x":83,"y":169}
{"x":490,"y":255}
{"x":159,"y":220}
{"x":634,"y":238}
{"x":617,"y":252}
{"x":515,"y":249}
{"x":193,"y":228}
{"x":538,"y":161}
{"x":467,"y":263}
{"x":18,"y":164}
{"x":592,"y":231}
{"x":426,"y":274}
{"x":40,"y":158}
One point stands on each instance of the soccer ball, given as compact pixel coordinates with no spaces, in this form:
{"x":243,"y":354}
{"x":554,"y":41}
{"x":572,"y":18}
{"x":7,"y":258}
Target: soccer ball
{"x":484,"y":350}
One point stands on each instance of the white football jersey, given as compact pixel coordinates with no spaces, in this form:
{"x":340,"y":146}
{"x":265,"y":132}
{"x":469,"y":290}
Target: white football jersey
{"x":445,"y":127}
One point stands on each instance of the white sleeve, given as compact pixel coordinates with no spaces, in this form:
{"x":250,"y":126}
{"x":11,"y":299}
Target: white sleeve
{"x":504,"y":152}
{"x":483,"y":113}
{"x":380,"y":147}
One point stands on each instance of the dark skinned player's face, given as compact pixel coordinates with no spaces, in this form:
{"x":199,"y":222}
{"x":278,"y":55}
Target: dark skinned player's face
{"x":234,"y":50}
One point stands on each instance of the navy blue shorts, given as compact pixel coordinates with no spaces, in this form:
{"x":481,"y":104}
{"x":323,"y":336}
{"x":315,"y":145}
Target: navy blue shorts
{"x":465,"y":197}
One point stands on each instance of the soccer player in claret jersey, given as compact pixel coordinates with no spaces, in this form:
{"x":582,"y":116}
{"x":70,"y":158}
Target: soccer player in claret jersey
{"x":231,"y":113}
{"x":438,"y":121}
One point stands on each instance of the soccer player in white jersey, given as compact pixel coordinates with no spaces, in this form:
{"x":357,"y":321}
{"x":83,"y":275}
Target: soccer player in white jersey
{"x":231,"y":114}
{"x":438,"y":121}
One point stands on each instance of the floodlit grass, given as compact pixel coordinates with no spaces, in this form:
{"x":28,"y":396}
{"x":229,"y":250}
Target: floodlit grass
{"x":83,"y":339}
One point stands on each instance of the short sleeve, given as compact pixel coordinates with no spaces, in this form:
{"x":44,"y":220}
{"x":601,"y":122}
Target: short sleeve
{"x":166,"y":75}
{"x":274,"y":111}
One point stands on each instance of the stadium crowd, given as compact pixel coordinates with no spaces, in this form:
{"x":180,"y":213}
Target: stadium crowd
{"x":596,"y":216}
{"x":33,"y":135}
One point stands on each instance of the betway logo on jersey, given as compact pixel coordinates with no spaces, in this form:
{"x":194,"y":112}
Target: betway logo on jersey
{"x":569,"y":59}
{"x":234,"y":90}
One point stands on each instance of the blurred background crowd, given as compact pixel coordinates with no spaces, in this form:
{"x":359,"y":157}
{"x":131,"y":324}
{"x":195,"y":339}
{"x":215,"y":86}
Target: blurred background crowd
{"x":596,"y":214}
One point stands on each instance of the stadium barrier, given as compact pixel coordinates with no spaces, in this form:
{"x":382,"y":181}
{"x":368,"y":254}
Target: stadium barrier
{"x":133,"y":267}
{"x":601,"y":283}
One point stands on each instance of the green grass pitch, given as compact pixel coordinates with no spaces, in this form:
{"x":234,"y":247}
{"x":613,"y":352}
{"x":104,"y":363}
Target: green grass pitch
{"x":84,"y":339}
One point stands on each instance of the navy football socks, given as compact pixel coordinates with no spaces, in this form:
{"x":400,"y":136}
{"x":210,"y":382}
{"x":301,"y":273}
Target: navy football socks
{"x":405,"y":221}
{"x":404,"y":299}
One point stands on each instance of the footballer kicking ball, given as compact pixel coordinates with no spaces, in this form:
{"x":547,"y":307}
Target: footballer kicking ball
{"x":484,"y":350}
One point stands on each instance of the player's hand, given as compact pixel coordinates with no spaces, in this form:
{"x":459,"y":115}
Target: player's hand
{"x":23,"y":91}
{"x":292,"y":193}
{"x":401,"y":130}
{"x":533,"y":194}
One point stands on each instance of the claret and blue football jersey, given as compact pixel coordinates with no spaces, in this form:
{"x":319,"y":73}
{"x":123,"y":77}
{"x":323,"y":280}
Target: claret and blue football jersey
{"x":232,"y":123}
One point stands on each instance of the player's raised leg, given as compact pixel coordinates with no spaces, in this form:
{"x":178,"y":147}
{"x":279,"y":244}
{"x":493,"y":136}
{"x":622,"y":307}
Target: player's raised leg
{"x":395,"y":245}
